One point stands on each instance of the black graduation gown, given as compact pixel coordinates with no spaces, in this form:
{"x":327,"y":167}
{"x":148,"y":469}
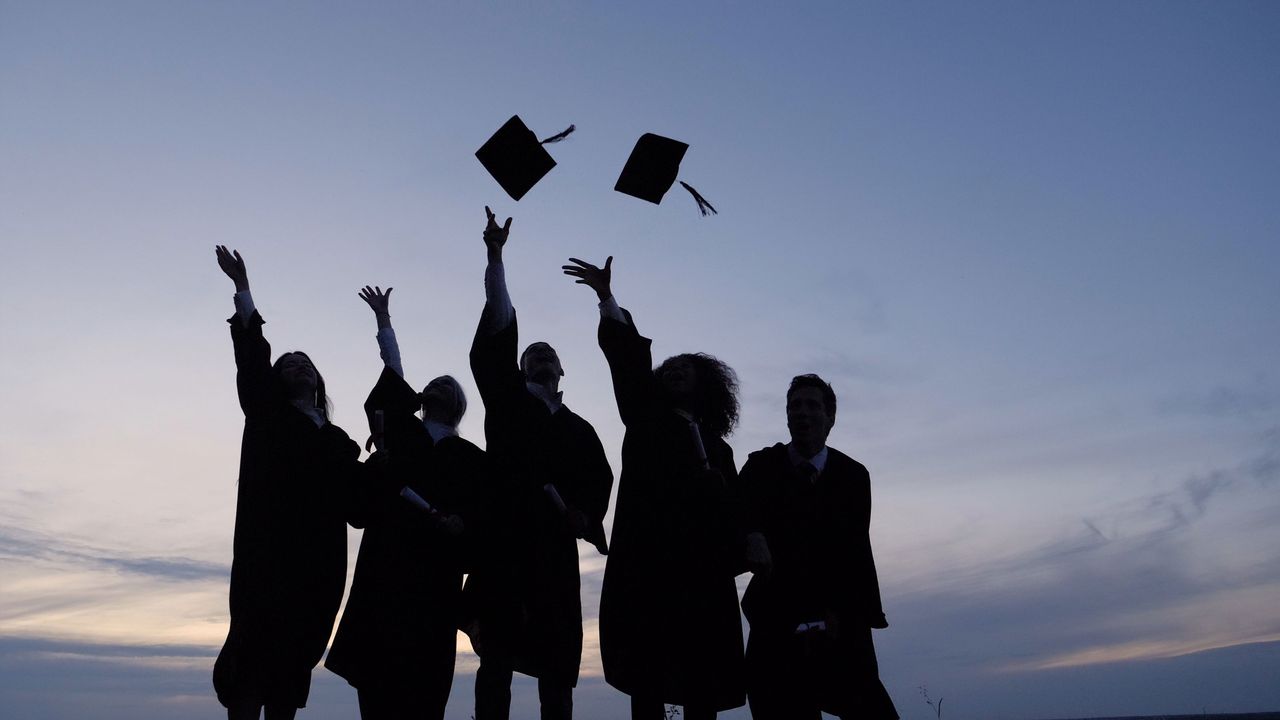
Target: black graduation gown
{"x":290,"y":547}
{"x":399,"y":628}
{"x":669,"y":622}
{"x":819,"y":538}
{"x":525,"y":592}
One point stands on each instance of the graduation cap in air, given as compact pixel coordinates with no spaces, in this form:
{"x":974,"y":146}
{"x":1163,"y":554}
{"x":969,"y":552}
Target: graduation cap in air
{"x":652,"y":168}
{"x":514,"y":156}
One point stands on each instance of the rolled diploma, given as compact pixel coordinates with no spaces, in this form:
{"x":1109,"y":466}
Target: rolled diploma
{"x":378,"y":425}
{"x":555,"y":497}
{"x":806,"y":627}
{"x":697,"y":444}
{"x":415,"y":499}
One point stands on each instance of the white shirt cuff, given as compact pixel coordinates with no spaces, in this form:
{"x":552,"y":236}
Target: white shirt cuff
{"x":244,"y":306}
{"x":390,"y":349}
{"x":609,"y":309}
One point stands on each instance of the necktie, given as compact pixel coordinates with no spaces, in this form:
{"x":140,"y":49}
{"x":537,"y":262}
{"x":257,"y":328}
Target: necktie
{"x":808,"y":472}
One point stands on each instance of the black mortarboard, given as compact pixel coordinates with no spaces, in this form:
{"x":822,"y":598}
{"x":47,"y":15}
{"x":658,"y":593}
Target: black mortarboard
{"x":652,"y":168}
{"x":515,"y":157}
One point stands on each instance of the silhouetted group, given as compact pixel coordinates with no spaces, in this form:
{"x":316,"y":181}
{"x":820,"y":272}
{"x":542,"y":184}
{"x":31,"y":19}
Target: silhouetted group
{"x":486,"y":541}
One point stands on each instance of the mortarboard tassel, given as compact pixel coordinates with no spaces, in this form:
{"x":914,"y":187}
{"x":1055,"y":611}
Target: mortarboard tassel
{"x":559,"y":136}
{"x":703,"y":205}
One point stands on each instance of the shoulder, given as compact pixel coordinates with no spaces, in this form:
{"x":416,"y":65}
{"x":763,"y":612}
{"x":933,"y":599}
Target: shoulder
{"x":339,"y":437}
{"x":575,"y":421}
{"x":460,"y":446}
{"x":334,"y":431}
{"x":767,"y":457}
{"x":839,"y":464}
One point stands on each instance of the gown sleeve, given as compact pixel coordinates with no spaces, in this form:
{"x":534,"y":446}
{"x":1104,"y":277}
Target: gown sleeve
{"x":254,"y":385}
{"x":493,"y":360}
{"x":598,"y":485}
{"x":630,"y":358}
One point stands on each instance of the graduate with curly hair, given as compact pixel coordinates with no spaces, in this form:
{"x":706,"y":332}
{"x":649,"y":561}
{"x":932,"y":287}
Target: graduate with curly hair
{"x":669,"y":625}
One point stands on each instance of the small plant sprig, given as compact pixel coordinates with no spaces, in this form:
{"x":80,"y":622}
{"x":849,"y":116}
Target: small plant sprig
{"x":937,"y":707}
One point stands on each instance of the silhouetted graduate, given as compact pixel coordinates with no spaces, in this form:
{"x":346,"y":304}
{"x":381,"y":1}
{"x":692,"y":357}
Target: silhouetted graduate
{"x":669,"y":625}
{"x":397,"y":640}
{"x":814,"y":597}
{"x":290,"y":563}
{"x":555,"y":483}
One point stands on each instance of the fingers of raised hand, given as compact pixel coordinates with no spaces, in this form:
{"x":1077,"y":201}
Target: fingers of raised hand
{"x":492,"y":224}
{"x":232,"y":265}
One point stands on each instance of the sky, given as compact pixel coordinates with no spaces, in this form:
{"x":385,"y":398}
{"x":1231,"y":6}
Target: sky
{"x":1032,"y":245}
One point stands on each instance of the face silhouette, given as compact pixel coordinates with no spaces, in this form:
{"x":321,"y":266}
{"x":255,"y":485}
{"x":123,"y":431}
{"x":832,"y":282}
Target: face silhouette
{"x":440,"y":400}
{"x":679,"y":377}
{"x":807,"y":417}
{"x":541,"y":363}
{"x":297,"y":373}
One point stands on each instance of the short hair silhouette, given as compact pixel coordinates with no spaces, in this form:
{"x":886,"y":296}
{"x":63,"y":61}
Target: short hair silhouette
{"x":536,"y":346}
{"x":321,"y":402}
{"x":715,"y":401}
{"x":813,"y":381}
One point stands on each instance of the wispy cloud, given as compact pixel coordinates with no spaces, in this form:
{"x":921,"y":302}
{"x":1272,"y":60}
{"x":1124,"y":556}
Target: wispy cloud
{"x":1138,"y":581}
{"x":21,"y":544}
{"x":1189,"y":501}
{"x":70,"y":590}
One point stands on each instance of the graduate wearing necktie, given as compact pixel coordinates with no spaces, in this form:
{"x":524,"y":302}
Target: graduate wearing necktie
{"x":814,"y":596}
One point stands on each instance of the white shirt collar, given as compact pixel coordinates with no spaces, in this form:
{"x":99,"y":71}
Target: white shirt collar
{"x":819,"y":461}
{"x":439,"y":430}
{"x":553,"y":402}
{"x":310,"y":412}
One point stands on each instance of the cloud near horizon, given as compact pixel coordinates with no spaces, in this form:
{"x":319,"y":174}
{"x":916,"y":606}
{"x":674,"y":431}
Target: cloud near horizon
{"x":1178,"y":571}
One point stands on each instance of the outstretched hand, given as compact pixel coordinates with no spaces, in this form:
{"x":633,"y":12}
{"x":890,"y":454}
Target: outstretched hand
{"x":596,"y":278}
{"x":495,"y":237}
{"x":379,"y":302}
{"x":233,"y":265}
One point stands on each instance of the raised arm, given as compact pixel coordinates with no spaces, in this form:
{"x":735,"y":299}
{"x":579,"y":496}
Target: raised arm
{"x":494,"y":359}
{"x":628,"y":353}
{"x":252,"y":351}
{"x":498,"y":313}
{"x":380,"y":303}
